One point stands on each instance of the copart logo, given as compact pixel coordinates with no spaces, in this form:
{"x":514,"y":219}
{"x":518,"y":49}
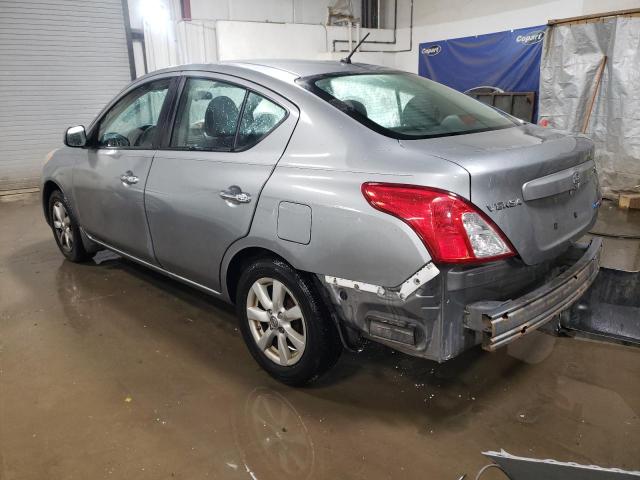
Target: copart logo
{"x":530,"y":38}
{"x":432,"y":50}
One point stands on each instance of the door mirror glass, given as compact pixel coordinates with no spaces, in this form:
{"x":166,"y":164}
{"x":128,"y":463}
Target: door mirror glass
{"x":75,"y":137}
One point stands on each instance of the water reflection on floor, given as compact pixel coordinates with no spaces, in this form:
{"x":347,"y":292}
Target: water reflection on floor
{"x":109,"y":371}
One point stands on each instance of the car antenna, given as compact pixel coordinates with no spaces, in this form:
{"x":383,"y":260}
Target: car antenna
{"x":347,"y":59}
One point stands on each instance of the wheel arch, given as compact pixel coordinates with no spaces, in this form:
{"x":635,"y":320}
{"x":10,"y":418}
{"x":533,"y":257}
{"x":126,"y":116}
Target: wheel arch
{"x":232,"y":267}
{"x":48,"y":188}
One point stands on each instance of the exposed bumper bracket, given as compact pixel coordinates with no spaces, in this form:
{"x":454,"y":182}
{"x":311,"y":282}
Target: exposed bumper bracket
{"x":410,"y":285}
{"x":504,"y":322}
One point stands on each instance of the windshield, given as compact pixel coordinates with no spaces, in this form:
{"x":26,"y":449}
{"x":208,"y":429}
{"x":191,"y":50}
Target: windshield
{"x":407,"y":106}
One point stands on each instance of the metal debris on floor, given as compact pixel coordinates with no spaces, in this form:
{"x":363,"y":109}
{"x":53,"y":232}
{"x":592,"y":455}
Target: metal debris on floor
{"x":523,"y":468}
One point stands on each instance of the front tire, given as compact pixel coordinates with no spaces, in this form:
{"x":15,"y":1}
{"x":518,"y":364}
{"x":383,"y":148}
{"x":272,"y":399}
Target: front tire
{"x":285,"y":323}
{"x":65,"y":229}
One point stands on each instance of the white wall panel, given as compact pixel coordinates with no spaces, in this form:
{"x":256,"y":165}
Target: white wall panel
{"x":244,"y":40}
{"x":196,"y":42}
{"x":284,"y":11}
{"x":60,"y":63}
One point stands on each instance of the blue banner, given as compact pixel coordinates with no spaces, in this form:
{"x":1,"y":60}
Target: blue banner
{"x":508,"y":60}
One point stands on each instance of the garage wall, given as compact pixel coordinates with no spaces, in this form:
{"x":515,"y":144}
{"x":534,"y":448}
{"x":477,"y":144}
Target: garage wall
{"x":222,"y":30}
{"x":287,"y":11}
{"x":290,"y":11}
{"x":60,"y":62}
{"x":202,"y":41}
{"x":442,"y":19}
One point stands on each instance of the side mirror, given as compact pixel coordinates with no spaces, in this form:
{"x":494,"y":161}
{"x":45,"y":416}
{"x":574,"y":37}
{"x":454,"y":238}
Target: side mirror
{"x":75,"y":137}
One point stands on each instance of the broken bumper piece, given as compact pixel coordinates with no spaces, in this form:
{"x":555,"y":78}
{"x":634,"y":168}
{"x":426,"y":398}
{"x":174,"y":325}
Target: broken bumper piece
{"x":408,"y":287}
{"x":523,"y":468}
{"x":504,"y":322}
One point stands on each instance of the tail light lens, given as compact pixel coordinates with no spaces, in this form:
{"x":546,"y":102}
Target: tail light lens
{"x":452,"y":229}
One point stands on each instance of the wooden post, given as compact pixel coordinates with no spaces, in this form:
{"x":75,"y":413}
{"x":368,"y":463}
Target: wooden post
{"x":599,"y":73}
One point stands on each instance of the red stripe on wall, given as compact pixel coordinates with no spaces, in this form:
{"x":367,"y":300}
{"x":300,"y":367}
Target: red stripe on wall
{"x":186,"y":9}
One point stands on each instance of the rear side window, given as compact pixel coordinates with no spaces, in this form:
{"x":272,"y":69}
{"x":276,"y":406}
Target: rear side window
{"x":208,"y":115}
{"x":259,"y":118}
{"x":219,"y":116}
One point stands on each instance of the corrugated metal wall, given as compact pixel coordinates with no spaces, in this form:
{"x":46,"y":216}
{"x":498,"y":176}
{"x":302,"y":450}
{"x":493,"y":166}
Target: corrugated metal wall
{"x":61,"y":61}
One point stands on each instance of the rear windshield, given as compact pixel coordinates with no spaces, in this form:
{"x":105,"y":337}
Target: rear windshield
{"x":406,"y":106}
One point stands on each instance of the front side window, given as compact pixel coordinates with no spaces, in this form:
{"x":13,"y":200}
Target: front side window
{"x":208,"y":115}
{"x":132,"y":121}
{"x":407,"y":106}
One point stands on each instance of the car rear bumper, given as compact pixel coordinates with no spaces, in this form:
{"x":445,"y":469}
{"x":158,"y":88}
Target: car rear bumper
{"x":503,"y":322}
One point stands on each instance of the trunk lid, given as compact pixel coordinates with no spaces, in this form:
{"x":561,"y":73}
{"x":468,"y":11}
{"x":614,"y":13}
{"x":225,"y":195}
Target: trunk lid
{"x":539,"y":186}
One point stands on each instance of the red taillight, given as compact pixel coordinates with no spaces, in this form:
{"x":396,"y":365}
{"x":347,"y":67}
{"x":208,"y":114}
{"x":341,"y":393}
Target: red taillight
{"x":452,"y":229}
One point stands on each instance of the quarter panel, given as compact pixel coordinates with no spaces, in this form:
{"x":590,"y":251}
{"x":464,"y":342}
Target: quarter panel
{"x":349,"y":238}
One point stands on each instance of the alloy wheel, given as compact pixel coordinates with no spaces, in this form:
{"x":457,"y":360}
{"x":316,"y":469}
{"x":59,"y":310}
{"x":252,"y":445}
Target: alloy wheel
{"x":276,"y":321}
{"x":62,"y":226}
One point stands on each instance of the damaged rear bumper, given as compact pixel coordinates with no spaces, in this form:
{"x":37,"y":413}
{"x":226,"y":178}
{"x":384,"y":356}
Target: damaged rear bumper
{"x":503,"y":322}
{"x":440,"y":313}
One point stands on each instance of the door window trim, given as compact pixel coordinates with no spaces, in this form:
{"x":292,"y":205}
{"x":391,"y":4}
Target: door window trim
{"x":180,"y":91}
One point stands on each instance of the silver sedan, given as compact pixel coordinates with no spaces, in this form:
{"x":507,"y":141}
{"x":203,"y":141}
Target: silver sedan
{"x":334,"y":204}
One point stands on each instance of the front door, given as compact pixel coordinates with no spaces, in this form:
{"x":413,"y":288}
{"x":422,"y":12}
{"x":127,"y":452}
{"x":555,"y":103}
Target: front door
{"x":203,"y":188}
{"x":109,"y":184}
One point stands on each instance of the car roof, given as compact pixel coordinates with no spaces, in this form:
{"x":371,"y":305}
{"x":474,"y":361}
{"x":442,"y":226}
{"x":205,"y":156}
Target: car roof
{"x":307,"y":68}
{"x":280,"y":68}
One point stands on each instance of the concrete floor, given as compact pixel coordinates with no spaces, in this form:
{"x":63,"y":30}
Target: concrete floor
{"x":110,"y":371}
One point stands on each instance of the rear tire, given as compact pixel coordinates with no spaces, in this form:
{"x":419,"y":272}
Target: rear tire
{"x":65,"y":229}
{"x":285,"y":323}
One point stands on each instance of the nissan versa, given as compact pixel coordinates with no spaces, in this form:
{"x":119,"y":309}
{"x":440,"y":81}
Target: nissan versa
{"x":333,"y":202}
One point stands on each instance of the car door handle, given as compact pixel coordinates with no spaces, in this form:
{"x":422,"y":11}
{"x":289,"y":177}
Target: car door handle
{"x":235,"y":194}
{"x":128,"y":178}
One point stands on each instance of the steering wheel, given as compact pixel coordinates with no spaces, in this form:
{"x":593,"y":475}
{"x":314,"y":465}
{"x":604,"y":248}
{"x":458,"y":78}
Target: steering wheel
{"x":113,"y":139}
{"x":145,"y":139}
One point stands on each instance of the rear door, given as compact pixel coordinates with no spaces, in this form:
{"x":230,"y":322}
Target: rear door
{"x":204,"y":184}
{"x":109,"y":182}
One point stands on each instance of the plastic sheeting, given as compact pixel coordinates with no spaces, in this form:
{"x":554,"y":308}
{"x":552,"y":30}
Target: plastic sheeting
{"x":570,"y":59}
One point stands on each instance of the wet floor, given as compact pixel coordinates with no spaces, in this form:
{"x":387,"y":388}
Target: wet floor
{"x":110,"y":371}
{"x":619,"y":229}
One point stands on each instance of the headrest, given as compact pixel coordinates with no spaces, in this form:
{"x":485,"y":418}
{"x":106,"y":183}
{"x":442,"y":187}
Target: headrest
{"x":220,"y":117}
{"x":202,"y":95}
{"x":357,"y":106}
{"x":418,"y":111}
